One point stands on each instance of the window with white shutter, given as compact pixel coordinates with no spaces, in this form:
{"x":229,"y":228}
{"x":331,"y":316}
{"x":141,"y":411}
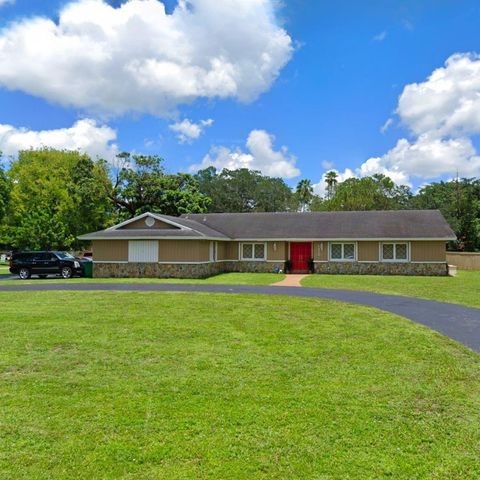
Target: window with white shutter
{"x":143,"y":251}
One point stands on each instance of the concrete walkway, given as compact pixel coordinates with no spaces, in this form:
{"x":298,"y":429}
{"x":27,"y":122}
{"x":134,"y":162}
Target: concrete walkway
{"x":291,"y":280}
{"x":454,"y":321}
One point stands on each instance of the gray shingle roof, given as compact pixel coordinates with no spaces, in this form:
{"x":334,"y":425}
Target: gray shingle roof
{"x":398,"y":224}
{"x":374,"y":225}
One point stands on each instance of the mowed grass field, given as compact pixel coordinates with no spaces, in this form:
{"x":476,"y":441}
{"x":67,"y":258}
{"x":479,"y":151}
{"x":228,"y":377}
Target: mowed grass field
{"x":463,"y":289}
{"x":131,"y":385}
{"x":222,"y":279}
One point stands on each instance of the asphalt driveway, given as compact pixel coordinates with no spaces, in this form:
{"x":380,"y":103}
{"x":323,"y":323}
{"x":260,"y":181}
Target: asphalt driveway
{"x":455,"y":321}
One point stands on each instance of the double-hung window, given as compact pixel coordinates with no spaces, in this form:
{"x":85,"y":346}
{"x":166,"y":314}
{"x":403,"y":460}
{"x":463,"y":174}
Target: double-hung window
{"x":395,"y":252}
{"x":253,"y":251}
{"x":342,"y":252}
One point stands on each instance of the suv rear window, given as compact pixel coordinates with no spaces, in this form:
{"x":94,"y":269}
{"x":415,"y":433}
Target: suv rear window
{"x":22,"y":256}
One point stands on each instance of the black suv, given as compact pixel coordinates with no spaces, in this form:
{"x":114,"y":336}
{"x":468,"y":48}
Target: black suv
{"x":26,"y":264}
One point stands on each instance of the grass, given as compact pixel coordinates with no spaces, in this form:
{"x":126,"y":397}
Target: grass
{"x":463,"y":289}
{"x":177,"y":386}
{"x":222,"y":279}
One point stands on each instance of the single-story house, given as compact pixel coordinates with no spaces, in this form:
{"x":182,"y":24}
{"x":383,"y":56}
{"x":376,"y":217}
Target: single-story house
{"x":406,"y":242}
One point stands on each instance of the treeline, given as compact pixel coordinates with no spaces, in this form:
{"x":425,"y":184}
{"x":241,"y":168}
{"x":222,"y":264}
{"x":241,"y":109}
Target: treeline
{"x":49,"y":197}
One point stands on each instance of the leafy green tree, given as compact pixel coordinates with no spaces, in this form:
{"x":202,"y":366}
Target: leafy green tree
{"x":459,"y":201}
{"x":377,"y":192}
{"x":5,"y":191}
{"x":55,"y":196}
{"x":243,"y":190}
{"x":273,"y":195}
{"x":142,"y":185}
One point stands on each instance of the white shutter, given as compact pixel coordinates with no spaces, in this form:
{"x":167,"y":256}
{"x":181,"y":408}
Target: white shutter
{"x":143,"y":251}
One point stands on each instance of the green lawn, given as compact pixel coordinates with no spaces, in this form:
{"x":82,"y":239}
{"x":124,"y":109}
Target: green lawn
{"x":222,"y":279}
{"x":132,"y":385}
{"x":4,"y":269}
{"x":464,"y":288}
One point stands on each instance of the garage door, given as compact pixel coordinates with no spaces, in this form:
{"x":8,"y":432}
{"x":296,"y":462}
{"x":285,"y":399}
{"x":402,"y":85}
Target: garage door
{"x":143,"y":251}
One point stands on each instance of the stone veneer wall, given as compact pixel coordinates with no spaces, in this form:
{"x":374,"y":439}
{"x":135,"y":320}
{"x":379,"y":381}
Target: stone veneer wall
{"x":202,"y":270}
{"x":382,"y":268}
{"x":172,"y":270}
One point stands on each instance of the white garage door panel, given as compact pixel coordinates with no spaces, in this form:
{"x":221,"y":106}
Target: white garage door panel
{"x":143,"y":251}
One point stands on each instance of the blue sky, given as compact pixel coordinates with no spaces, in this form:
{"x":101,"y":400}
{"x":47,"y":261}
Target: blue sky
{"x":339,"y":81}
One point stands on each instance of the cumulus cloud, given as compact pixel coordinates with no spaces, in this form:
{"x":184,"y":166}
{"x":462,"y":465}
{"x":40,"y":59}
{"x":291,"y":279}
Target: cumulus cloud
{"x":85,"y":136}
{"x":260,"y":156}
{"x":138,"y":58}
{"x":442,"y":113}
{"x":188,"y":131}
{"x":448,"y":102}
{"x":426,"y":158}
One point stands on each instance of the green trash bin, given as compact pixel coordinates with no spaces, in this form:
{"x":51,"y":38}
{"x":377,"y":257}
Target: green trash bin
{"x":87,"y":269}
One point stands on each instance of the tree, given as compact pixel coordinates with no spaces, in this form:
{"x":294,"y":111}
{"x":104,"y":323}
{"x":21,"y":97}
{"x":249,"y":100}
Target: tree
{"x":5,"y":191}
{"x":459,"y":202}
{"x":273,"y":195}
{"x":304,"y":192}
{"x":331,"y":179}
{"x":377,"y":192}
{"x":141,"y":185}
{"x":243,"y":190}
{"x":55,"y":196}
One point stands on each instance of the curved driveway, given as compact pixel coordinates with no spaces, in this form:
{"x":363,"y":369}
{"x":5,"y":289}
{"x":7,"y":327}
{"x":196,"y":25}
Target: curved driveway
{"x":455,"y":321}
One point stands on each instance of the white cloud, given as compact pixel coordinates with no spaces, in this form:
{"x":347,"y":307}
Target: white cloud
{"x":139,"y":58}
{"x":6,"y":2}
{"x":188,"y":131}
{"x":380,"y":37}
{"x":261,"y":156}
{"x":426,"y":158}
{"x":448,"y":102}
{"x":85,"y":136}
{"x":442,"y":113}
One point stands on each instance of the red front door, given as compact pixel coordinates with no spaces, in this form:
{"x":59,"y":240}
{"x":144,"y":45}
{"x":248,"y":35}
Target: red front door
{"x":300,"y":254}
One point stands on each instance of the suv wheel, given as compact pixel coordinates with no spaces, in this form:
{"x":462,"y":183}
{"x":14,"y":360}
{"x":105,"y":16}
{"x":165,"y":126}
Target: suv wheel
{"x":67,"y":272}
{"x":24,"y":273}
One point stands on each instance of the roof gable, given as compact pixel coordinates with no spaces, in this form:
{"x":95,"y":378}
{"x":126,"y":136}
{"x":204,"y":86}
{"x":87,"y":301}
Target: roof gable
{"x":147,"y":221}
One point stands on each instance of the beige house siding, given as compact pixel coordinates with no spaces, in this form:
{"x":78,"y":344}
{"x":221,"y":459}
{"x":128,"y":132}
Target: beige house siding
{"x":183,"y":251}
{"x":110,"y":250}
{"x":368,"y":251}
{"x":140,"y":225}
{"x":231,"y":251}
{"x":428,"y":251}
{"x":221,"y":250}
{"x":277,"y":251}
{"x":320,"y":251}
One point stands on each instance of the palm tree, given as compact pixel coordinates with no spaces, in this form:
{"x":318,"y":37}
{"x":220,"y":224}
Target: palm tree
{"x":331,"y":179}
{"x":304,"y":192}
